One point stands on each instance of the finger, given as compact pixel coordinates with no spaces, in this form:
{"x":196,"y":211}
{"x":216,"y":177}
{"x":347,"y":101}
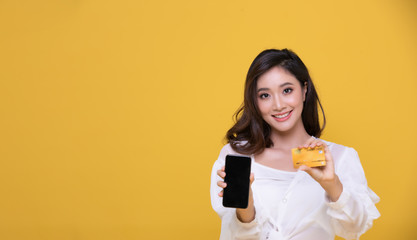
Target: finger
{"x":314,"y":172}
{"x":322,"y":146}
{"x":221,"y":184}
{"x":305,"y":168}
{"x":308,"y":170}
{"x":329,"y":160}
{"x":307,"y":143}
{"x":319,"y":143}
{"x":252,"y":178}
{"x":221,"y":193}
{"x":315,"y":143}
{"x":327,"y":152}
{"x":221,"y":173}
{"x":326,"y":148}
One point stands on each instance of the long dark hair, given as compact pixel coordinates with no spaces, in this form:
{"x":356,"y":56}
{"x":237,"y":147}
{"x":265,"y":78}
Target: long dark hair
{"x":251,"y":134}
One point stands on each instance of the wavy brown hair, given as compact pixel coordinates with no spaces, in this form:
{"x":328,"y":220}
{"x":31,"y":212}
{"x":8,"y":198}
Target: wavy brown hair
{"x":251,"y":134}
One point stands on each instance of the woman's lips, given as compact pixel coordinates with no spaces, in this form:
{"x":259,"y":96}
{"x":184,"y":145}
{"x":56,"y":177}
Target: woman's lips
{"x":282,"y":117}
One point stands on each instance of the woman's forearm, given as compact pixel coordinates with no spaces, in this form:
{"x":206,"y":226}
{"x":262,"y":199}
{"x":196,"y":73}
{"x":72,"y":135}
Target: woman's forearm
{"x":333,"y":188}
{"x":247,"y":215}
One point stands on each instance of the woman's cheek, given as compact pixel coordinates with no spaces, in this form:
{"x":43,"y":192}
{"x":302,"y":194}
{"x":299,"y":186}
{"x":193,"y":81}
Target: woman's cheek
{"x":295,"y":99}
{"x":262,"y":105}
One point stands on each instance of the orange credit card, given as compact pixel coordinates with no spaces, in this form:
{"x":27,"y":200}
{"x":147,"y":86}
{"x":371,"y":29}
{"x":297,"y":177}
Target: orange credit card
{"x":312,"y":157}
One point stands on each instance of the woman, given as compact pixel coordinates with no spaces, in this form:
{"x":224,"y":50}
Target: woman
{"x":280,"y":112}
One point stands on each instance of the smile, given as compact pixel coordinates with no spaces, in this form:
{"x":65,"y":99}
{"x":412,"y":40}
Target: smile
{"x":282,"y":117}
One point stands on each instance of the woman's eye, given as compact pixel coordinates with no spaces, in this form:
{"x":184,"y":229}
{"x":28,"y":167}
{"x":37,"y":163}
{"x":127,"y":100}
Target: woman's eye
{"x":287,"y":90}
{"x":264,"y":95}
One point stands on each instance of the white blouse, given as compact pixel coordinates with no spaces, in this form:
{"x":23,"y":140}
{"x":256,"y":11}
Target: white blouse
{"x":292,"y":205}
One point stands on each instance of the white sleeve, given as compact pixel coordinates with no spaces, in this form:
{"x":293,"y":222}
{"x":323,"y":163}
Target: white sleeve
{"x":231,"y":227}
{"x":353,"y":213}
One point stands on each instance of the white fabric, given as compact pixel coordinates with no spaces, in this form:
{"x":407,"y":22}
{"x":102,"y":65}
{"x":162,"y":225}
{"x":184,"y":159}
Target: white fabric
{"x":292,"y":205}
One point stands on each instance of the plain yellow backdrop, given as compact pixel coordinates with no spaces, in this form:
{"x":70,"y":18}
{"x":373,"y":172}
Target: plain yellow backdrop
{"x":113,"y":112}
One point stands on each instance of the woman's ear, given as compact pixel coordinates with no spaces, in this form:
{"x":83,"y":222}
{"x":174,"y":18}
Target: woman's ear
{"x":304,"y":91}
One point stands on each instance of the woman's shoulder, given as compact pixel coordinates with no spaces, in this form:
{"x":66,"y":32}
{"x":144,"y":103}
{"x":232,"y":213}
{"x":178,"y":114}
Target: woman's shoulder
{"x":339,"y":150}
{"x":227,"y":150}
{"x":344,"y":157}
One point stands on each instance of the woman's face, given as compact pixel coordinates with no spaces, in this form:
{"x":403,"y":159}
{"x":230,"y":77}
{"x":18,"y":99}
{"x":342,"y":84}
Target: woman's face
{"x":280,"y":99}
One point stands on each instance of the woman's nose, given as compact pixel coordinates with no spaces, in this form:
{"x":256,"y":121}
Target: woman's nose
{"x":278,"y":104}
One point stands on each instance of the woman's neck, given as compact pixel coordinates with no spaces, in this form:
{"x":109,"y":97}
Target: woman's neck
{"x":290,"y":139}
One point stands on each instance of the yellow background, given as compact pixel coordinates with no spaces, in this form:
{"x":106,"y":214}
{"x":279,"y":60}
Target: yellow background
{"x":113,"y":112}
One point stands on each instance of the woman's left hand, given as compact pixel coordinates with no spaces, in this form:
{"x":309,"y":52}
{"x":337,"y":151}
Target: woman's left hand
{"x":324,"y":175}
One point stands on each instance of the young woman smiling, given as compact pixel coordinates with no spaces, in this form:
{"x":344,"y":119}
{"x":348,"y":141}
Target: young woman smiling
{"x":280,"y":112}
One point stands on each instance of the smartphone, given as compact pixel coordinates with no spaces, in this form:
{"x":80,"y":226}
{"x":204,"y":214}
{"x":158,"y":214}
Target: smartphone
{"x":236,"y":193}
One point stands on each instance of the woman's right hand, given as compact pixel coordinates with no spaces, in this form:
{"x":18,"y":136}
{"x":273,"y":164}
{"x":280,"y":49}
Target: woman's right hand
{"x":243,"y":214}
{"x":221,"y":173}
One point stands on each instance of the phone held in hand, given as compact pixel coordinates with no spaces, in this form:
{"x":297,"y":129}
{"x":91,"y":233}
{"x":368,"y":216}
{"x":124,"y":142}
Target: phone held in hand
{"x":236,"y":193}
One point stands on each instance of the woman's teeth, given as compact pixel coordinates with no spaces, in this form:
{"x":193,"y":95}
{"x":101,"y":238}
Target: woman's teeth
{"x":281,"y":116}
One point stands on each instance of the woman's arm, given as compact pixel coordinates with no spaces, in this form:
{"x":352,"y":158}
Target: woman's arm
{"x":236,"y":223}
{"x":351,"y":203}
{"x":325,"y":175}
{"x":245,"y":215}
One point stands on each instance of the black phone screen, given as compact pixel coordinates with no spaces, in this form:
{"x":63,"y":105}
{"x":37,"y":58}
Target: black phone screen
{"x":236,"y":193}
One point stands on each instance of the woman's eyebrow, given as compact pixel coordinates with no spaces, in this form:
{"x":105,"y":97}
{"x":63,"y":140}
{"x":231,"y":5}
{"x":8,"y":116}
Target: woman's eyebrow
{"x":282,"y":85}
{"x":285,"y":84}
{"x":262,"y":89}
